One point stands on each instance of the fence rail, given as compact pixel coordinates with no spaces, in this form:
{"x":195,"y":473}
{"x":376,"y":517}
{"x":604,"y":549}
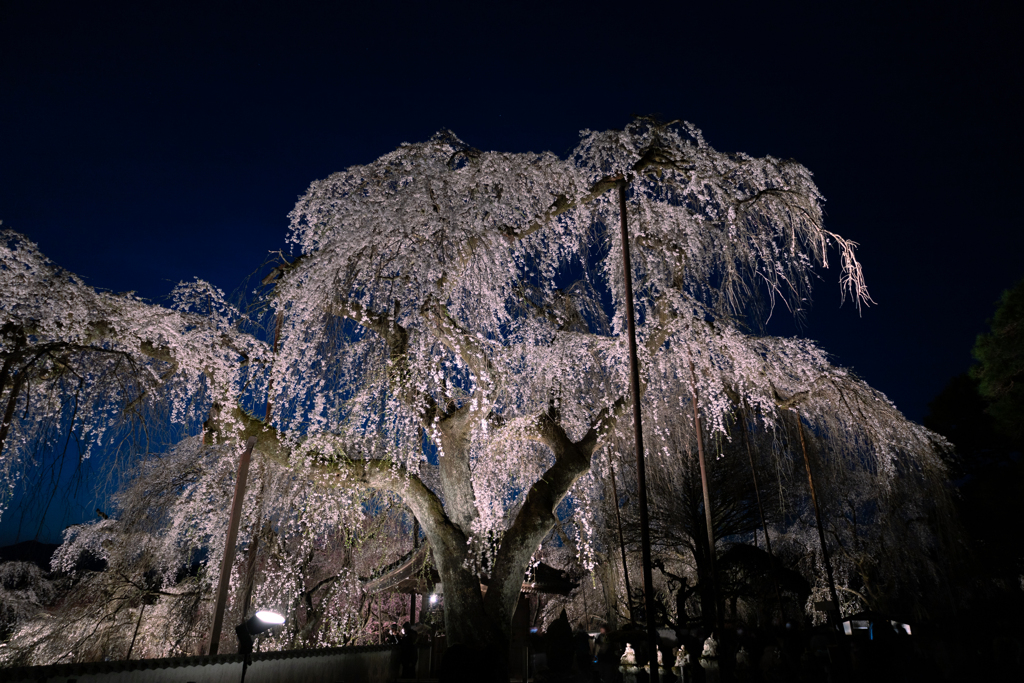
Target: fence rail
{"x":372,"y":664}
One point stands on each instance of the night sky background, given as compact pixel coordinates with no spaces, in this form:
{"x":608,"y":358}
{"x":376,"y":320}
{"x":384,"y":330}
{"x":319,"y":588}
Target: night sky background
{"x":146,"y":143}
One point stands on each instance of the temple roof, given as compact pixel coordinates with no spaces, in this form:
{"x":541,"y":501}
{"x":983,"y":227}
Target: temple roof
{"x":413,"y":573}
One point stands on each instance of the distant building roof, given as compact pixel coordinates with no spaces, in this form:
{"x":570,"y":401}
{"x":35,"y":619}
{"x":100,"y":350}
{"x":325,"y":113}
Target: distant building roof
{"x":413,"y":573}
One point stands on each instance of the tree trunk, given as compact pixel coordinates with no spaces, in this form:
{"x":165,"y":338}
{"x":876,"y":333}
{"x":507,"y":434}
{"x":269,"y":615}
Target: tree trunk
{"x":622,"y":543}
{"x":478,"y":626}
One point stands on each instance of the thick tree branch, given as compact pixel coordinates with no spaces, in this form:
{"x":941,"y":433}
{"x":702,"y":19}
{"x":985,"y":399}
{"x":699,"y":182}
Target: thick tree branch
{"x":605,"y":422}
{"x":387,"y":327}
{"x":382,"y":475}
{"x":534,"y":520}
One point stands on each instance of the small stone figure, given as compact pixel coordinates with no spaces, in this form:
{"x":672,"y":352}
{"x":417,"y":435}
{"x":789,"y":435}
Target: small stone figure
{"x":661,"y":665}
{"x":682,"y":660}
{"x":627,"y":665}
{"x":709,"y":659}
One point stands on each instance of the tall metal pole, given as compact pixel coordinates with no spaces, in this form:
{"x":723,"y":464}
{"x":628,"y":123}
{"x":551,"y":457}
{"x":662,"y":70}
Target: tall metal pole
{"x":229,"y":546}
{"x":834,"y":615}
{"x":622,"y":544}
{"x":706,"y":490}
{"x":641,"y":469}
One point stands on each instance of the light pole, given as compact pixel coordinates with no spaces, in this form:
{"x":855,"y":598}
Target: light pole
{"x":253,"y":626}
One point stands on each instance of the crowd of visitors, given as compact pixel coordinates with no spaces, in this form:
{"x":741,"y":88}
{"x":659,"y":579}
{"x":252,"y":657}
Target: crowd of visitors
{"x":748,"y":655}
{"x":738,"y":654}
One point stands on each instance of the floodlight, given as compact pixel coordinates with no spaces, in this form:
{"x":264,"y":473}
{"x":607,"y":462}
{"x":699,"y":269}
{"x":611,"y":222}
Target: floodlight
{"x":262,"y":621}
{"x":269,"y":617}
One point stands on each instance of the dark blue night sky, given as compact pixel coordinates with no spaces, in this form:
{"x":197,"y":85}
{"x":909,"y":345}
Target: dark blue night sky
{"x":147,"y":143}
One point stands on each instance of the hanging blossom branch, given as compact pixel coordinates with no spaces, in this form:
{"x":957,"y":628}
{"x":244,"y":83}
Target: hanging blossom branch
{"x":111,"y":358}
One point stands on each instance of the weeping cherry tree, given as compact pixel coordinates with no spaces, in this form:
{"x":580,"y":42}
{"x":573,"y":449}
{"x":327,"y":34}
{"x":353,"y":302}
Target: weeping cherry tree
{"x":433,"y":302}
{"x":449,"y":330}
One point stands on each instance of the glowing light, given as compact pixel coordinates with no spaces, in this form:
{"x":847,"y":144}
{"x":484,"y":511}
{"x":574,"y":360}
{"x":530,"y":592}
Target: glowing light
{"x":270,"y":617}
{"x":433,"y":599}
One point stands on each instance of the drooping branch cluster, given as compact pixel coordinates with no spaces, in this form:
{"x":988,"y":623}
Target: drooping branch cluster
{"x":76,"y":362}
{"x":304,"y":546}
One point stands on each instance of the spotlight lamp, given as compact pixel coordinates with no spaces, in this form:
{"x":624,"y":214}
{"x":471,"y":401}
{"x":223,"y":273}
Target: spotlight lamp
{"x":262,"y":621}
{"x":271,"y":618}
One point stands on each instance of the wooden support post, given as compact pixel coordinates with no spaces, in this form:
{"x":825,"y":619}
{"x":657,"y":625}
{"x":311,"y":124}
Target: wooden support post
{"x":229,"y":546}
{"x":706,"y":490}
{"x":641,"y":470}
{"x":135,"y":635}
{"x":415,"y":545}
